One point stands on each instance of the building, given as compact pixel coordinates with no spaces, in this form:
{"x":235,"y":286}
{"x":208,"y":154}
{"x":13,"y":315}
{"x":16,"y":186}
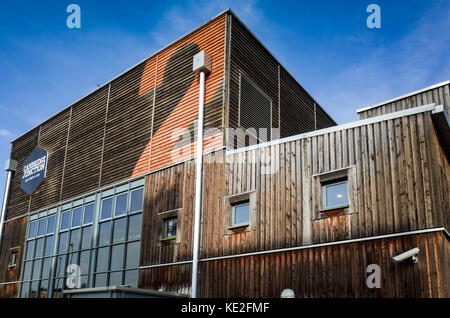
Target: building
{"x":108,"y":184}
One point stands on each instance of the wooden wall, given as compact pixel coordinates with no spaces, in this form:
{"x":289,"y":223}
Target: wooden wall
{"x":14,"y":234}
{"x":292,"y":106}
{"x":439,"y":95}
{"x":124,"y":129}
{"x":334,"y":271}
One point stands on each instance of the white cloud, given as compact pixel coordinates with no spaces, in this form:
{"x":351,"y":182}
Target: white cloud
{"x":5,"y":133}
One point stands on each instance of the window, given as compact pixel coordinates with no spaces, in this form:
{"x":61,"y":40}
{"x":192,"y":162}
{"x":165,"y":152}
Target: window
{"x":240,"y":214}
{"x":14,"y":256}
{"x":170,"y":228}
{"x":99,"y":232}
{"x":335,"y":195}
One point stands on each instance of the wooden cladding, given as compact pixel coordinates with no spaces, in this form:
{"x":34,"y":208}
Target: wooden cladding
{"x":13,"y":237}
{"x":124,"y":129}
{"x":329,"y":271}
{"x":294,"y":111}
{"x":439,"y":95}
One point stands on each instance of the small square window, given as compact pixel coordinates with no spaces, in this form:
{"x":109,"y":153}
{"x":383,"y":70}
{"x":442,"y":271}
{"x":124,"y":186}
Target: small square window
{"x":170,"y":228}
{"x":240,"y":214}
{"x":335,"y":195}
{"x":13,"y":260}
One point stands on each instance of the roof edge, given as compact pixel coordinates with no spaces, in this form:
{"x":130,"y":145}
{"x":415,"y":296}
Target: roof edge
{"x":402,"y":96}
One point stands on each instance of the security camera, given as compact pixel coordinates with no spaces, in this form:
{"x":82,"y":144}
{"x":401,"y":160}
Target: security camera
{"x":411,"y":253}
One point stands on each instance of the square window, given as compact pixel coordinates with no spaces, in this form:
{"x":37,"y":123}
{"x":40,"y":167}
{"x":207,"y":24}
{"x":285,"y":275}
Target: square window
{"x":335,"y":195}
{"x":13,"y":259}
{"x":170,"y":228}
{"x":240,"y":214}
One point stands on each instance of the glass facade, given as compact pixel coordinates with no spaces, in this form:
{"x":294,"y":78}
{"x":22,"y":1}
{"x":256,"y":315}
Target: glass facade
{"x":100,"y":233}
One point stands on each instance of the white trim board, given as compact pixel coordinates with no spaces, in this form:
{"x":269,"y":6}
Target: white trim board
{"x":402,"y":96}
{"x":358,"y":123}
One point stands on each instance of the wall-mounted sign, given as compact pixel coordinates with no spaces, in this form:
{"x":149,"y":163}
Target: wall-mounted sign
{"x":34,"y":170}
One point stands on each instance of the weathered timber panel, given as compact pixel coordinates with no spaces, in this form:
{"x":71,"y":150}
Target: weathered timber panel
{"x":401,"y":184}
{"x":175,"y":278}
{"x":13,"y":237}
{"x":9,"y":290}
{"x":292,"y":107}
{"x":439,"y":95}
{"x":332,"y":271}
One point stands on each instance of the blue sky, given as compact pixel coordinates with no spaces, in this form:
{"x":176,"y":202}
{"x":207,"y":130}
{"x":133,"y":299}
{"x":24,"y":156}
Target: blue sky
{"x":326,"y":45}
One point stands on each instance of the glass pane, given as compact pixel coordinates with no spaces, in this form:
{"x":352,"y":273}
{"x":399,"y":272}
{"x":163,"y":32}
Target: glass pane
{"x":60,"y":266}
{"x":27,"y":271}
{"x":30,"y":250}
{"x":106,"y":208}
{"x":34,"y":290}
{"x":131,"y":278}
{"x":100,"y":280}
{"x":73,"y":259}
{"x":43,"y":289}
{"x":74,"y":240}
{"x":84,"y":262}
{"x":241,"y":214}
{"x":84,"y":281}
{"x":88,"y":214}
{"x":58,"y":288}
{"x":48,"y":245}
{"x":65,"y":219}
{"x":336,"y":194}
{"x":121,"y":204}
{"x":119,"y":230}
{"x":86,"y":237}
{"x":115,"y":279}
{"x":76,"y":217}
{"x":63,"y":238}
{"x":46,"y":268}
{"x":51,"y":224}
{"x":134,"y":227}
{"x":105,"y":233}
{"x":39,"y":248}
{"x":133,"y":250}
{"x":24,"y":290}
{"x":136,"y":200}
{"x":102,"y":259}
{"x":32,"y":229}
{"x":41,"y":227}
{"x":37,"y":269}
{"x":117,"y":257}
{"x":170,"y":227}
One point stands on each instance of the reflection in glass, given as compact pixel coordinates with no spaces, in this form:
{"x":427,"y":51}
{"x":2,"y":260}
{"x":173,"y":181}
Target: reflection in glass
{"x":335,"y":195}
{"x":24,"y":290}
{"x":51,"y":224}
{"x":100,"y":280}
{"x":30,"y":250}
{"x":48,"y":245}
{"x":63,"y":238}
{"x":121,"y":204}
{"x":74,"y":240}
{"x":106,"y":208}
{"x":46,"y":268}
{"x":102,"y":259}
{"x":136,"y":200}
{"x":132,"y":260}
{"x":119,"y":230}
{"x":32,"y":229}
{"x":76,"y":217}
{"x":88,"y":214}
{"x":84,"y":262}
{"x":27,"y":271}
{"x":115,"y":279}
{"x":86,"y":237}
{"x":41,"y":227}
{"x":34,"y":290}
{"x":39,"y":248}
{"x":134,"y":227}
{"x":105,"y":233}
{"x":131,"y":278}
{"x":65,"y":219}
{"x":170,"y":227}
{"x":117,"y":257}
{"x":36,"y":269}
{"x":43,"y":289}
{"x":241,"y":213}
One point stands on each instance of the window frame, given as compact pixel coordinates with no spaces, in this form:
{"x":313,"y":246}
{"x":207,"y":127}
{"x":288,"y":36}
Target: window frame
{"x":234,"y":205}
{"x":164,"y":236}
{"x":324,"y":187}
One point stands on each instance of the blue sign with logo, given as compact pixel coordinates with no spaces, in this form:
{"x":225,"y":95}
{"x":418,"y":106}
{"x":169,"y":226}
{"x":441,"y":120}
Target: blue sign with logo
{"x":34,"y":170}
